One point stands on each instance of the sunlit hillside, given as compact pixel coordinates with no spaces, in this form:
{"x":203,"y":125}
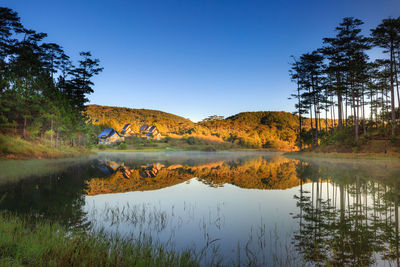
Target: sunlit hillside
{"x":263,"y":129}
{"x":117,"y":117}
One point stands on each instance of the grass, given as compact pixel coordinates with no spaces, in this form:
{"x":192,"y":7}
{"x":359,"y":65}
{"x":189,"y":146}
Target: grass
{"x":30,"y":242}
{"x":345,"y":155}
{"x":176,"y":143}
{"x":342,"y":145}
{"x":17,"y":148}
{"x":24,"y":243}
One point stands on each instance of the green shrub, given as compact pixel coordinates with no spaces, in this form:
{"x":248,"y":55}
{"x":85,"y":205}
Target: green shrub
{"x":190,"y":140}
{"x":122,"y":146}
{"x":209,"y":149}
{"x":102,"y":147}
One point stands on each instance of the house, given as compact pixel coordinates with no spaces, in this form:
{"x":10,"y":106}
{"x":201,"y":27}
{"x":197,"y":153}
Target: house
{"x":127,"y":130}
{"x":109,"y":136}
{"x":150,"y":131}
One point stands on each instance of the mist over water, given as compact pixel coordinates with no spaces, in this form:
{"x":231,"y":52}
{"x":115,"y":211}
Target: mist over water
{"x":251,"y":207}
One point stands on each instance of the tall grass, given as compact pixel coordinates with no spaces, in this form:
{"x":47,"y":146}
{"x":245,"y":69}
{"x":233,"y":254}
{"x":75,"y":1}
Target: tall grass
{"x":30,"y":241}
{"x":16,"y":148}
{"x":48,"y":244}
{"x":264,"y":246}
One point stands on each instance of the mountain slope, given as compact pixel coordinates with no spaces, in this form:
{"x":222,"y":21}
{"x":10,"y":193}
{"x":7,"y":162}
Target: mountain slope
{"x":117,"y":117}
{"x":268,"y":129}
{"x":262,"y":129}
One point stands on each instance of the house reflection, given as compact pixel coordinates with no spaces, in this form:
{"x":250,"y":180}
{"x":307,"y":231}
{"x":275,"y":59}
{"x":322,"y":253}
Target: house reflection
{"x":254,"y":173}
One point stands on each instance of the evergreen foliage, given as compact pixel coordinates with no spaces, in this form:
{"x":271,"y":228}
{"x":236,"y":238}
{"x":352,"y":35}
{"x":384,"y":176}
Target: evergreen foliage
{"x":42,"y":95}
{"x":338,"y":81}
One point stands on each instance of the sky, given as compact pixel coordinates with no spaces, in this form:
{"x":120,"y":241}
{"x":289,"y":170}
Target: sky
{"x":195,"y":58}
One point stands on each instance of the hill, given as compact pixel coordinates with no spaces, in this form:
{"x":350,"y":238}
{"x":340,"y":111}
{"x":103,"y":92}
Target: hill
{"x":117,"y":117}
{"x":262,"y":129}
{"x":267,"y":129}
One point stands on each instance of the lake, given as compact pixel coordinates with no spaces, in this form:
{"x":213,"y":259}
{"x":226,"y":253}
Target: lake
{"x":255,"y":208}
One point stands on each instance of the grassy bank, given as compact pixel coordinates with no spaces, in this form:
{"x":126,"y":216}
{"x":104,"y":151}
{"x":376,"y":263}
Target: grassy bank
{"x":175,"y":143}
{"x":16,"y":148}
{"x":344,"y":155}
{"x":47,"y":244}
{"x":341,"y":145}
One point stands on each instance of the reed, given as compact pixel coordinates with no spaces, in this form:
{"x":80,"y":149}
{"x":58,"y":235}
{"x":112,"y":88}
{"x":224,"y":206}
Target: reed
{"x":24,"y":243}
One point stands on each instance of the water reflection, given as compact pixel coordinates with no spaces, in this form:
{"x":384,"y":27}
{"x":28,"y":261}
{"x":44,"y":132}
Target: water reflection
{"x":240,"y":206}
{"x":349,"y":214}
{"x":257,"y":172}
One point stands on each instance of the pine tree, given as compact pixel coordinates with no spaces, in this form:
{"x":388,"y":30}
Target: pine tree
{"x":386,"y":35}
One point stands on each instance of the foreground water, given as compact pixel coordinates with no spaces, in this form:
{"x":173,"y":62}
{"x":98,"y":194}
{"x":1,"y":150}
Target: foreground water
{"x":253,"y":208}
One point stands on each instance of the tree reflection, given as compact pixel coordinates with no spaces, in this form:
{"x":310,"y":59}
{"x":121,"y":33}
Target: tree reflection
{"x":347,"y":216}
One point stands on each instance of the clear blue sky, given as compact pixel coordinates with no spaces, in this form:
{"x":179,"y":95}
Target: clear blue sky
{"x":195,"y":58}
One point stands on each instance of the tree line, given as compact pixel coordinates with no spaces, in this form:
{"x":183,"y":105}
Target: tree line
{"x":339,"y":81}
{"x":42,"y":93}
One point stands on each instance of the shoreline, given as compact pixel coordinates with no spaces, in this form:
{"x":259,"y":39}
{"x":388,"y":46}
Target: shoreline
{"x":346,"y":155}
{"x":65,"y":155}
{"x":60,"y":154}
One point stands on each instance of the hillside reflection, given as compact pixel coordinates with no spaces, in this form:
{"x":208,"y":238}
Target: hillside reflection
{"x":349,"y":214}
{"x":254,"y":173}
{"x":344,"y":213}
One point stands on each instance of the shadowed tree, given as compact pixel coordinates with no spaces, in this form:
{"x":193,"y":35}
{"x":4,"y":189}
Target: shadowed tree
{"x":81,"y":83}
{"x":386,"y":35}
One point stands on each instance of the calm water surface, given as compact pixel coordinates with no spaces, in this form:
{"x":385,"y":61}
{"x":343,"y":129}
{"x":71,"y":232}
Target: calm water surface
{"x":254,"y":208}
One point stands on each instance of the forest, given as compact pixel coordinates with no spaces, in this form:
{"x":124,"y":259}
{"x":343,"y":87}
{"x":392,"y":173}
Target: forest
{"x":42,"y":91}
{"x":341,"y":82}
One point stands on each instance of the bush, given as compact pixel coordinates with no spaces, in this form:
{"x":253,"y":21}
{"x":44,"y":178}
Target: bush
{"x":209,"y":149}
{"x":134,"y":140}
{"x":102,"y":147}
{"x":122,"y":146}
{"x":191,"y":140}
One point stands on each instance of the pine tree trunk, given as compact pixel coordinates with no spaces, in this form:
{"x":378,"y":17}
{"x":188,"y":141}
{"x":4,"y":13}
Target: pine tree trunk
{"x":397,"y":82}
{"x":334,"y":115}
{"x":363,"y":113}
{"x":340,"y":112}
{"x":345,"y":106}
{"x":311,"y":122}
{"x":319,"y":121}
{"x":51,"y":135}
{"x":326,"y":117}
{"x":396,"y":74}
{"x":316,"y":124}
{"x":57,"y":138}
{"x":371,"y":107}
{"x":299,"y":104}
{"x":392,"y":91}
{"x":24,"y":130}
{"x":355,"y":119}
